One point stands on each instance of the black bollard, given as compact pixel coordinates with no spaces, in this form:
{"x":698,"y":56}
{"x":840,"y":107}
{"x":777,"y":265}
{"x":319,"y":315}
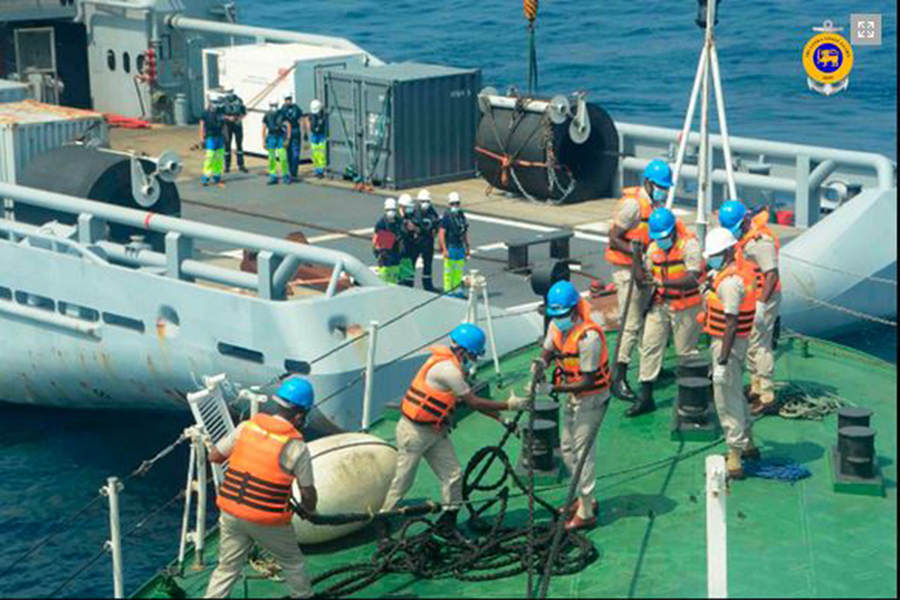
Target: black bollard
{"x":548,"y":410}
{"x":856,"y":445}
{"x":694,"y":395}
{"x":854,"y":465}
{"x":850,"y":416}
{"x":544,"y":463}
{"x":694,"y":366}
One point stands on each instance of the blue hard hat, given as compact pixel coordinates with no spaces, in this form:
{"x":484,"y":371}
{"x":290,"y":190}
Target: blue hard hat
{"x":731,"y":216}
{"x":469,"y":337}
{"x":659,"y":172}
{"x":662,"y":223}
{"x":562,"y":298}
{"x":297,"y":392}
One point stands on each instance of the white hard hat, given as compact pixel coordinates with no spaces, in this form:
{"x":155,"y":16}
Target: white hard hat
{"x":424,"y":196}
{"x":390,"y":204}
{"x":406,"y":201}
{"x":453,"y":198}
{"x":315,"y":106}
{"x":717,"y":241}
{"x":273,"y":103}
{"x":213,"y":94}
{"x":289,"y":96}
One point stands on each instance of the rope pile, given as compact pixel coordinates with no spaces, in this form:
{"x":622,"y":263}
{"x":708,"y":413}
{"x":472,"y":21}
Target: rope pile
{"x":799,"y":402}
{"x":428,"y":549}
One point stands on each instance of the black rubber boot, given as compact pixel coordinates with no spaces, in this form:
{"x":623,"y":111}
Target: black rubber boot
{"x":620,"y":387}
{"x":645,"y":404}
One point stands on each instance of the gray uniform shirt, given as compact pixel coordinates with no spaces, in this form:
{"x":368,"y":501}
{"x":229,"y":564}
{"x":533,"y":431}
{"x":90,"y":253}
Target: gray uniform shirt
{"x":295,"y":457}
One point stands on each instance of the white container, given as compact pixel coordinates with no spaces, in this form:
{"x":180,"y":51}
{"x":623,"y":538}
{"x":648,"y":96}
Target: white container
{"x":13,"y":91}
{"x":30,"y":128}
{"x":259,"y":73}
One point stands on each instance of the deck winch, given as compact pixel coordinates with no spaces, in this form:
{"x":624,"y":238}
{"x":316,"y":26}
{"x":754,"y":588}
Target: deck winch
{"x":557,"y":150}
{"x":117,"y":178}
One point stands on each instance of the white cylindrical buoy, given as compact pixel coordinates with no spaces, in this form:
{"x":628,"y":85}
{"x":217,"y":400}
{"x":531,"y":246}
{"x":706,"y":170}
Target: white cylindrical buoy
{"x":353,"y":472}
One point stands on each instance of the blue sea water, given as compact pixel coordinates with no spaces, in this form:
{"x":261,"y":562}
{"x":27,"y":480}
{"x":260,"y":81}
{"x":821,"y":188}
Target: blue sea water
{"x":637,"y":59}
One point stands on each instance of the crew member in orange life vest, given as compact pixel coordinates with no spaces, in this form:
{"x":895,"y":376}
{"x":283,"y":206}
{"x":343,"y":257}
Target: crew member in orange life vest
{"x":578,"y":346}
{"x":267,"y":454}
{"x":631,"y":225}
{"x":760,"y":248}
{"x":674,"y":261}
{"x":728,"y":319}
{"x":423,"y":430}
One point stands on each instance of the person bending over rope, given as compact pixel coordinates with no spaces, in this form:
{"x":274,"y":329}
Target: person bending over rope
{"x":578,"y":346}
{"x":427,"y":408}
{"x":267,"y":454}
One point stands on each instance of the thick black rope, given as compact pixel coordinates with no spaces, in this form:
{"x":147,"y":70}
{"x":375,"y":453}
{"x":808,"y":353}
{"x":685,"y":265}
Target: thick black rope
{"x":428,"y":550}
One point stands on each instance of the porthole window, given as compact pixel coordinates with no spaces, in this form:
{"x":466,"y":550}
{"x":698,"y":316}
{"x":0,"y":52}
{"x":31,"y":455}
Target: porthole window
{"x":111,"y":60}
{"x":139,"y":63}
{"x":126,"y":62}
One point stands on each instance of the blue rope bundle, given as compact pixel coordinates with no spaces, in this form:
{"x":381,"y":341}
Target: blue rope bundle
{"x":779,"y":469}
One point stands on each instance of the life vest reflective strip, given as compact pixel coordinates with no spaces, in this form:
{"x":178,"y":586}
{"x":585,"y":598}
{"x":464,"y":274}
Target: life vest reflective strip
{"x":714,"y":321}
{"x":424,"y":404}
{"x":640,"y":233}
{"x":256,"y":488}
{"x":568,"y":357}
{"x":759,"y":227}
{"x":669,"y":266}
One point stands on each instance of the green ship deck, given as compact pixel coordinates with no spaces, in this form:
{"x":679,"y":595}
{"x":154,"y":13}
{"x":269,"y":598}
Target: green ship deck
{"x":784,"y":540}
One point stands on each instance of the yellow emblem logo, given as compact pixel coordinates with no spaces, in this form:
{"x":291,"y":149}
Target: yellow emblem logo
{"x":828,"y":60}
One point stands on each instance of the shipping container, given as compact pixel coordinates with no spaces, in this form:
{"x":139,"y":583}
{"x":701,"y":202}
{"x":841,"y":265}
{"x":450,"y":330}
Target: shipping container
{"x":402,"y":125}
{"x":30,"y":128}
{"x":13,"y":91}
{"x":260,"y":73}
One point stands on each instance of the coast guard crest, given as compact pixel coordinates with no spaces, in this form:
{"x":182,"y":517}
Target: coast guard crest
{"x":828,"y":60}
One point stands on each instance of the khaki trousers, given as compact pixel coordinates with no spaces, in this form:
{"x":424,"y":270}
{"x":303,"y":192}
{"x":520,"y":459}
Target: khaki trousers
{"x":760,"y":355}
{"x":415,"y":442}
{"x":734,"y":414}
{"x":581,"y":417}
{"x":662,"y":322}
{"x":236,"y":538}
{"x":631,"y":330}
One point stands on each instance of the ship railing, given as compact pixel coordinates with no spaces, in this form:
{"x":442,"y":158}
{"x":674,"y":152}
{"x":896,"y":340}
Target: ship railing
{"x":764,"y":170}
{"x":277,"y":260}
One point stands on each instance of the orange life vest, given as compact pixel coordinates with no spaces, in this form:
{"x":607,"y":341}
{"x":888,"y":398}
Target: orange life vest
{"x":668,"y":267}
{"x":423,"y":403}
{"x":759,"y":227}
{"x":256,"y":489}
{"x":640,"y":233}
{"x":714,"y":317}
{"x":568,"y":356}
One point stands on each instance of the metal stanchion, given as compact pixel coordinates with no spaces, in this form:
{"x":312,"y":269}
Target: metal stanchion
{"x":370,"y":376}
{"x":114,"y":544}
